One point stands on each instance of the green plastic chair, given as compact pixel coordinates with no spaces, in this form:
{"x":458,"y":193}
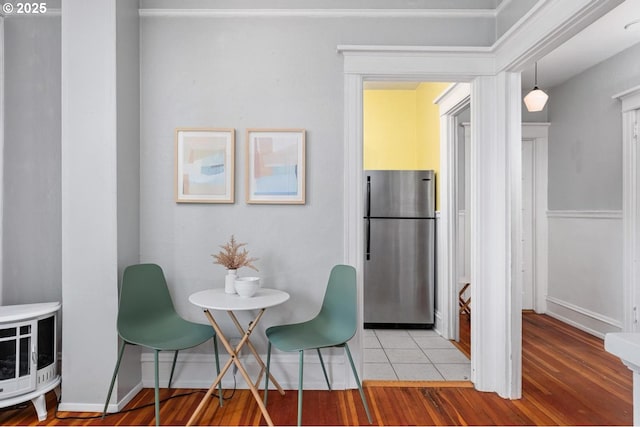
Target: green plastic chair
{"x":332,"y":327}
{"x":147,"y":317}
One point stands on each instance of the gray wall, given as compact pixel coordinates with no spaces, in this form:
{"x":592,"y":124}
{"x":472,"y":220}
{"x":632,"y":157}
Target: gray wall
{"x":585,"y":137}
{"x":32,"y":206}
{"x":585,"y":179}
{"x":245,"y":73}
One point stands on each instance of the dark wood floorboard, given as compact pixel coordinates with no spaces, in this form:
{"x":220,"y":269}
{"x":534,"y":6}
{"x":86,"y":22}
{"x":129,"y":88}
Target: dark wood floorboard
{"x":568,"y":379}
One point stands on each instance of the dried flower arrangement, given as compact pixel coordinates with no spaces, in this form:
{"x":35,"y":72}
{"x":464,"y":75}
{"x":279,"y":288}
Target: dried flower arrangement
{"x":233,"y":257}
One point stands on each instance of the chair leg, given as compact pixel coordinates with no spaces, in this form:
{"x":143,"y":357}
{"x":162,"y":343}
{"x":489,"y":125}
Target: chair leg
{"x":266,"y":378}
{"x":300,"y":373}
{"x":157,"y":386}
{"x":355,"y":374}
{"x":324,"y":370}
{"x":215,"y":350}
{"x":173,"y":367}
{"x":113,"y":379}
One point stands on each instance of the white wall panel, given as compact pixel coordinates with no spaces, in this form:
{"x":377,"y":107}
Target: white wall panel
{"x":585,"y":269}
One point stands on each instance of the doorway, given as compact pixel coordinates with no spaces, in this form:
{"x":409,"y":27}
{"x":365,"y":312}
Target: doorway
{"x":534,"y":214}
{"x":401,"y":132}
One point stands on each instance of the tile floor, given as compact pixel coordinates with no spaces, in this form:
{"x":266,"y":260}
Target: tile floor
{"x":412,"y":355}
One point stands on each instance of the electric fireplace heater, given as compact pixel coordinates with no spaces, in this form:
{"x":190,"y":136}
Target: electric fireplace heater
{"x":28,"y":354}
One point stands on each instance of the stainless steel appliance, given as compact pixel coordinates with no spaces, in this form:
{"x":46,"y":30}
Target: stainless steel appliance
{"x":399,"y":265}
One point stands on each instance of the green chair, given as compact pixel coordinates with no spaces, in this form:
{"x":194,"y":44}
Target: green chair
{"x":147,"y":317}
{"x":332,"y":327}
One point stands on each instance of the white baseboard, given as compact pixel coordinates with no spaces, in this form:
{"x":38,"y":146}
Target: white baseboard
{"x":581,"y":318}
{"x":98,"y":407}
{"x":438,"y":322}
{"x":197,"y":370}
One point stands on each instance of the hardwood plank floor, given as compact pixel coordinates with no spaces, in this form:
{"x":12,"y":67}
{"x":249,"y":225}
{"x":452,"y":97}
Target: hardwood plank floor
{"x":568,"y":379}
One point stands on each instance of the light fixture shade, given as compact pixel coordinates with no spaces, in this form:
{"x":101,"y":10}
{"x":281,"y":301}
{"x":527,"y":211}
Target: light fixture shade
{"x":535,"y":100}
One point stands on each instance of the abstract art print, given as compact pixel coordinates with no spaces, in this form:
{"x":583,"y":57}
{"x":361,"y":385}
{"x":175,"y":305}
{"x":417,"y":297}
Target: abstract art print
{"x":205,"y":161}
{"x":275,"y":170}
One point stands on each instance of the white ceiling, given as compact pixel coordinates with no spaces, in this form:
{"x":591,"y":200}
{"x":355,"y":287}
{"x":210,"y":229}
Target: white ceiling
{"x":601,"y":40}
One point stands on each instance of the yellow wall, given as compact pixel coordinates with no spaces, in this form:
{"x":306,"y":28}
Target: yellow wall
{"x":402,"y":129}
{"x":428,"y":125}
{"x":390,"y":129}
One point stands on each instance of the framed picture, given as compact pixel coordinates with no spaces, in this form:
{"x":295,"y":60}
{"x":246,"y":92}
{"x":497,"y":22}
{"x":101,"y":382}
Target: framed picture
{"x":275,"y":170}
{"x":205,"y":160}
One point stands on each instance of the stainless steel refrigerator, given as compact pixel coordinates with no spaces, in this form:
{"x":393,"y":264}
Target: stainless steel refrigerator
{"x":399,"y":264}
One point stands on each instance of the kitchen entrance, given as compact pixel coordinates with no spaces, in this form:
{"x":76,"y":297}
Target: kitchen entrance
{"x":401,"y":143}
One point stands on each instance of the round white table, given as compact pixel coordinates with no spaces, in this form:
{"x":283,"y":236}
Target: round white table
{"x":218,"y":299}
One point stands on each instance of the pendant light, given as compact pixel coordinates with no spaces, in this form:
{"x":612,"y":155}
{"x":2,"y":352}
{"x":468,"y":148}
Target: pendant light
{"x":536,"y":99}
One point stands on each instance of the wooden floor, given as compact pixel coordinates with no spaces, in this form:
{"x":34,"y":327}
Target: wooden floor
{"x":568,"y":379}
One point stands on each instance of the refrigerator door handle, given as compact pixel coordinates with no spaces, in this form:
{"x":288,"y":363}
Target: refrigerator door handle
{"x":368,"y":231}
{"x":368,"y":196}
{"x":368,"y":249}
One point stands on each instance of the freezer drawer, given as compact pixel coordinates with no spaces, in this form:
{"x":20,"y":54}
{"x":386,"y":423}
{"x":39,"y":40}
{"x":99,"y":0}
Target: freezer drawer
{"x":399,"y":275}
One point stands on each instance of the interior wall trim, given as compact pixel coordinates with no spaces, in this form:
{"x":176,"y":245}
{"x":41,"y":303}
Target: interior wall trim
{"x":450,"y":103}
{"x":545,"y":27}
{"x":586,"y":214}
{"x":319,"y":13}
{"x":502,"y":6}
{"x":585,"y":312}
{"x":630,"y":109}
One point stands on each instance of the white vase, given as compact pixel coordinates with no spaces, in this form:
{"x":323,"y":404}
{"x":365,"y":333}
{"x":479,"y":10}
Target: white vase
{"x":229,"y":282}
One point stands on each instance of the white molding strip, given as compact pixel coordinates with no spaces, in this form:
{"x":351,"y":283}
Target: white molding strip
{"x":629,"y":98}
{"x":516,"y":26}
{"x":382,"y":49}
{"x":99,"y":407}
{"x":575,"y":324}
{"x":604,"y":214}
{"x":503,"y":4}
{"x":585,"y":312}
{"x":318,"y":13}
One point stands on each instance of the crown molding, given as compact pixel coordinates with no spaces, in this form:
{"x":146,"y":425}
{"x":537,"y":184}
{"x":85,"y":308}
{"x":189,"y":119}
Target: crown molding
{"x":545,"y":27}
{"x":318,"y":13}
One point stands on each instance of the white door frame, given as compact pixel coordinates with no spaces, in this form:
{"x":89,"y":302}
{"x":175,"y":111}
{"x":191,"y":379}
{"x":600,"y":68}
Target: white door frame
{"x":538,"y":133}
{"x":496,"y":336}
{"x":630,"y":104}
{"x":452,"y":101}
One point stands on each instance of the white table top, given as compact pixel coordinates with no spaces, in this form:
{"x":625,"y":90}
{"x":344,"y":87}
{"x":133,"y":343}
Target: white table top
{"x":218,"y":299}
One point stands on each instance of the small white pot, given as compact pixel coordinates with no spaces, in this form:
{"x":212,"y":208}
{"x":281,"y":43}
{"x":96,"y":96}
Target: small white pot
{"x":247,"y":286}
